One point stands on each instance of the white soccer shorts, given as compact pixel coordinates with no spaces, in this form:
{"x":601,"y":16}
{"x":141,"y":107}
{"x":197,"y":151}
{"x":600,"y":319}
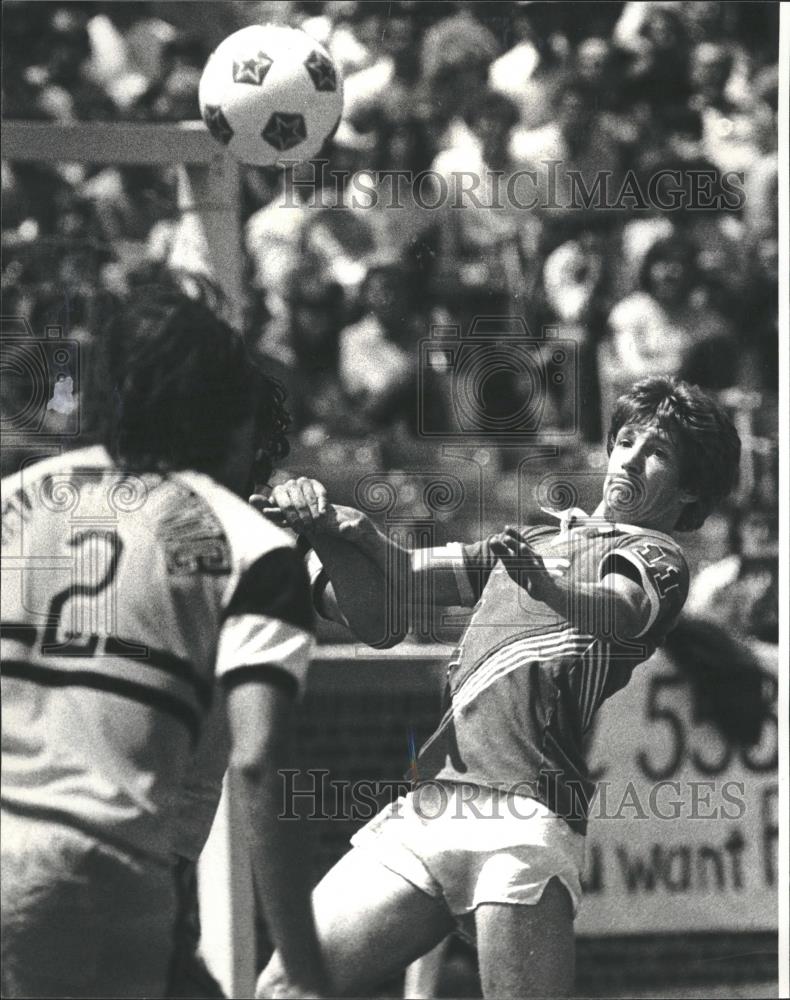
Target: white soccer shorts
{"x":470,"y":845}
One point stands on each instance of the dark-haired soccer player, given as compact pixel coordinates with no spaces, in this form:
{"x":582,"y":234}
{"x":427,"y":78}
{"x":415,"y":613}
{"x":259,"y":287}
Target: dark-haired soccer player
{"x":154,"y":627}
{"x":492,"y":837}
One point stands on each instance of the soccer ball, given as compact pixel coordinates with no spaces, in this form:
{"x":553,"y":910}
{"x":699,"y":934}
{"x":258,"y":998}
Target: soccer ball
{"x":271,"y":93}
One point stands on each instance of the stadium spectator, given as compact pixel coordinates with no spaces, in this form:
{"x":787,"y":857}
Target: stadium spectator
{"x":575,"y":149}
{"x":457,"y":53}
{"x":393,"y":77}
{"x":573,"y":276}
{"x":272,"y":233}
{"x":392,"y":199}
{"x":533,"y":72}
{"x":757,"y":317}
{"x":378,"y":357}
{"x":666,"y":326}
{"x":304,"y":345}
{"x":595,"y":67}
{"x":485,"y":241}
{"x":173,"y":94}
{"x":659,"y":71}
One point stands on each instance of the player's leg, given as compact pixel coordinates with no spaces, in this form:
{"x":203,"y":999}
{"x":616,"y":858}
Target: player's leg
{"x":422,"y":976}
{"x":527,"y":950}
{"x":371,"y":923}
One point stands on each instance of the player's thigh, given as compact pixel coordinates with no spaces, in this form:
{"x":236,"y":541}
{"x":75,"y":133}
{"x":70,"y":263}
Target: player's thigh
{"x":527,"y":951}
{"x":371,"y":923}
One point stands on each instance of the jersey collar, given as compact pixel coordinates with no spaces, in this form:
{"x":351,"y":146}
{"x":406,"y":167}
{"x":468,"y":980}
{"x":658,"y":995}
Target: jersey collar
{"x":575,"y":517}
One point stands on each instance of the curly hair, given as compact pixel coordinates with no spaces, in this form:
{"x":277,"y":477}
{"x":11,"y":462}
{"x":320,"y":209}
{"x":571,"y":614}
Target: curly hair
{"x":710,"y":448}
{"x":182,"y":380}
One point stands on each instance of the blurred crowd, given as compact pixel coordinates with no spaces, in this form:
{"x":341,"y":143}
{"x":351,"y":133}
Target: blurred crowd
{"x":674,"y":104}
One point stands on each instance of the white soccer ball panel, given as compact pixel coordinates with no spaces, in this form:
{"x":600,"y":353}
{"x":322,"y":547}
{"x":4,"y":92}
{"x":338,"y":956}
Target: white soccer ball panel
{"x":271,"y":93}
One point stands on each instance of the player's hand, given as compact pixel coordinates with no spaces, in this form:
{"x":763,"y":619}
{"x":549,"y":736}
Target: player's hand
{"x":301,"y":504}
{"x":540,"y":576}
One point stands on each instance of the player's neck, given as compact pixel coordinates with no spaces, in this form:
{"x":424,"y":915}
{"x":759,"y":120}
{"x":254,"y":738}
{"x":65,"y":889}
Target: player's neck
{"x":663,"y":524}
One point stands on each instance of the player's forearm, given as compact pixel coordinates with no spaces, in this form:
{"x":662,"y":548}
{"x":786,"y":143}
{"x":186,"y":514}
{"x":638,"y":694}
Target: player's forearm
{"x":369,"y":540}
{"x":281,"y":872}
{"x":415,"y":581}
{"x":363,"y":589}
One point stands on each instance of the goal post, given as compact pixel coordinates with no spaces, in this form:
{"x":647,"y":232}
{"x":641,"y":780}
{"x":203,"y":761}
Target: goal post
{"x":209,"y":188}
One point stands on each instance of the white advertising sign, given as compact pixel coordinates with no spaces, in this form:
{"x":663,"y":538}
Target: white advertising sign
{"x":685,"y":825}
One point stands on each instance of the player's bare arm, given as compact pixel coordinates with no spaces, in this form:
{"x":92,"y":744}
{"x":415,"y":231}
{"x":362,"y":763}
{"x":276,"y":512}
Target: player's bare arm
{"x":351,"y":589}
{"x":364,"y":565}
{"x":259,"y":718}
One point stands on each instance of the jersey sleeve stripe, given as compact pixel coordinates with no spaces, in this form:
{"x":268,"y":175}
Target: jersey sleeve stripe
{"x":262,"y":673}
{"x":161,"y":701}
{"x":584,"y":694}
{"x":455,"y":552}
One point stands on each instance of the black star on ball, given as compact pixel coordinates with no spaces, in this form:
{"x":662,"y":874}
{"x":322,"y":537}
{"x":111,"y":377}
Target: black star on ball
{"x":321,"y":71}
{"x":217,"y":123}
{"x":284,"y":130}
{"x":252,"y":70}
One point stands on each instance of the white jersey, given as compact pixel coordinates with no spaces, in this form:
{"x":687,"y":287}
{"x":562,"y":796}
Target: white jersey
{"x":126,"y":599}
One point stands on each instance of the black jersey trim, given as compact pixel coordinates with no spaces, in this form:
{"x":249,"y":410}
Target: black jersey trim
{"x":159,"y":659}
{"x":124,"y":649}
{"x":19,"y":632}
{"x":275,"y":585}
{"x":263,"y":673}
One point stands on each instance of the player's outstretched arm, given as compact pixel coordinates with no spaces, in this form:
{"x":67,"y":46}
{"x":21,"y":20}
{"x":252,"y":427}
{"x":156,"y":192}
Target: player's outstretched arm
{"x":353,"y":590}
{"x":377,"y":585}
{"x":615,"y":606}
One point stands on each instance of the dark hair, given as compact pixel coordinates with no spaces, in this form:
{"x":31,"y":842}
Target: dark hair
{"x":668,"y":248}
{"x":729,"y":686}
{"x":421,"y":137}
{"x":182,"y":380}
{"x":492,"y":104}
{"x":710,"y":449}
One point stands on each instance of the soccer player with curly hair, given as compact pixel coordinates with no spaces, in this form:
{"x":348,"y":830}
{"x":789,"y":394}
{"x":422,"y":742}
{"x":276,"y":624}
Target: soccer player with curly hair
{"x":154,"y":630}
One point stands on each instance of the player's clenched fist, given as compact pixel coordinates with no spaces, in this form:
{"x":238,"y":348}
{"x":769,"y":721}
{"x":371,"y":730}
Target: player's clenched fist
{"x":301,"y":504}
{"x":525,"y":565}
